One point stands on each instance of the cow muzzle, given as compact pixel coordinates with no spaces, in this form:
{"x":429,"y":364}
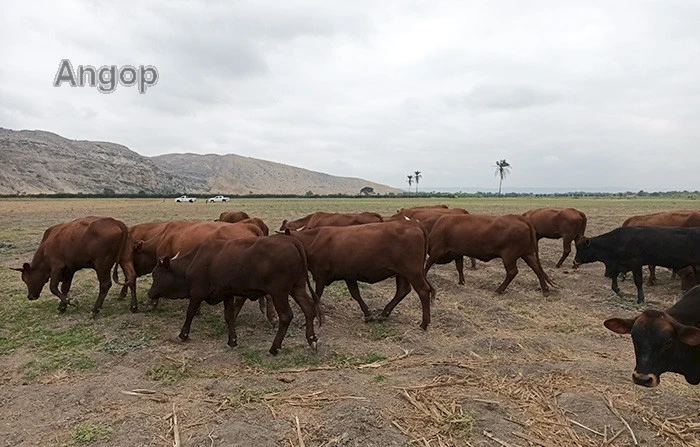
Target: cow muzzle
{"x":31,"y":297}
{"x":647,"y":380}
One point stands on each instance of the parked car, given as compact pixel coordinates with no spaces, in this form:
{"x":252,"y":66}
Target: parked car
{"x":186,"y":199}
{"x":219,"y":199}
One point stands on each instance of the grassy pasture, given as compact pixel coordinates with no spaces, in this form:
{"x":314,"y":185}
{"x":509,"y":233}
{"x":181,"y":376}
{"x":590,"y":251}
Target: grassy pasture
{"x":519,"y":367}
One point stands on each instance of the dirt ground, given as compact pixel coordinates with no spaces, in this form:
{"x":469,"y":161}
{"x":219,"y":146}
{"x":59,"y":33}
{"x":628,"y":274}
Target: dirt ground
{"x":516,"y":369}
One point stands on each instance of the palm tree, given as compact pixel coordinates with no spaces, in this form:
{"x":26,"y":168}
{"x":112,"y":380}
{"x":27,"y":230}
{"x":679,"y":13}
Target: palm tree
{"x":502,"y":170}
{"x":416,"y":176}
{"x":410,"y":182}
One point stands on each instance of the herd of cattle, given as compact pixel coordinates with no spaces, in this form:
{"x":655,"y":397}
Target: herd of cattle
{"x":235,"y":259}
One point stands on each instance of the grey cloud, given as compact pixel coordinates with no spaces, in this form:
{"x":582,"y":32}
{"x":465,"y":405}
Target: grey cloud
{"x":485,"y":96}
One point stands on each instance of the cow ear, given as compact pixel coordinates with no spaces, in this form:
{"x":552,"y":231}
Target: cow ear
{"x":287,"y":232}
{"x":620,"y":325}
{"x":689,"y":335}
{"x":585,"y":241}
{"x":138,"y":246}
{"x":165,"y":262}
{"x":26,"y":267}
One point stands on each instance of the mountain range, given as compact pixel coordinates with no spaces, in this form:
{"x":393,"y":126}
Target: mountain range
{"x":39,"y":162}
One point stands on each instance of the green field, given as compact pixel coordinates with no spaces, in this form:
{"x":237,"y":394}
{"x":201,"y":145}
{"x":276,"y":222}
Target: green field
{"x":515,"y":363}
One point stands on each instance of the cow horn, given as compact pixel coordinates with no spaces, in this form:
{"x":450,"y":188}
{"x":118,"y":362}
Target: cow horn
{"x":175,"y":257}
{"x":16,"y":269}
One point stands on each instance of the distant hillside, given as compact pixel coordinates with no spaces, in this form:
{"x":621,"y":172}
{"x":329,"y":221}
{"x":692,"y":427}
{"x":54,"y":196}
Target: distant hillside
{"x":243,"y":175}
{"x":37,"y":162}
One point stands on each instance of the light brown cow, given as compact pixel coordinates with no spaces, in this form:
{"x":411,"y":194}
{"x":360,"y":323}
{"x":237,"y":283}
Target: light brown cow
{"x":486,"y":237}
{"x":370,"y":253}
{"x":678,"y":218}
{"x":233,"y":216}
{"x":568,"y":224}
{"x":321,"y":219}
{"x":91,"y":242}
{"x":428,"y":216}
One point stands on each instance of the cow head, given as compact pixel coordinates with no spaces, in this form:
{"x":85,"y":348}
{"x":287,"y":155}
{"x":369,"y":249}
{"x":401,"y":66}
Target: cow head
{"x":585,"y":253}
{"x":144,"y":257}
{"x":167,"y":282}
{"x":661,"y":344}
{"x":34,"y":278}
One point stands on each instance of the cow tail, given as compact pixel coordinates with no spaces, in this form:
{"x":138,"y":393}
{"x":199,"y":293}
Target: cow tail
{"x":533,"y":235}
{"x":314,"y":295}
{"x":122,"y":247}
{"x":583,"y":227}
{"x":426,"y":250}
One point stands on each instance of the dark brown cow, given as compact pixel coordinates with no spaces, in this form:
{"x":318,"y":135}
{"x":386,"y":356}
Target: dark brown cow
{"x":486,"y":237}
{"x":91,"y":242}
{"x":678,"y":218}
{"x":568,"y":224}
{"x":690,"y":276}
{"x":182,"y":237}
{"x":667,"y":341}
{"x":218,"y":270}
{"x":321,"y":219}
{"x":233,"y":216}
{"x":427,"y":216}
{"x":370,"y":253}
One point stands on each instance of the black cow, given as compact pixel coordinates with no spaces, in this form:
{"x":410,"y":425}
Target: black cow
{"x":666,"y":341}
{"x":629,"y":248}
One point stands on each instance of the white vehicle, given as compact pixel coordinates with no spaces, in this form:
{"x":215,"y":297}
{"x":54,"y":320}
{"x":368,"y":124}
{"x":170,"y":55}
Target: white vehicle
{"x":218,"y":199}
{"x":186,"y":199}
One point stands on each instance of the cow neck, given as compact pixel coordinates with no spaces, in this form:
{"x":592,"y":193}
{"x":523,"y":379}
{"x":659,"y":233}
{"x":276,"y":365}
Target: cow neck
{"x":687,"y":310}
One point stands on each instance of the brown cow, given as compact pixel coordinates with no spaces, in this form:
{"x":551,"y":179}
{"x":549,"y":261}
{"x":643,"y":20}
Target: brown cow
{"x":259,"y":222}
{"x":182,"y":237}
{"x":321,"y":219}
{"x":233,"y":216}
{"x":678,"y":218}
{"x":216,"y":270}
{"x":427,"y":216}
{"x":568,"y":224}
{"x":91,"y":242}
{"x":486,"y":237}
{"x":370,"y":253}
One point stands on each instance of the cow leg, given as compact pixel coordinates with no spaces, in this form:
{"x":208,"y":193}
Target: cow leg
{"x":426,"y":293}
{"x":354,"y":290}
{"x":532,"y":262}
{"x":403,"y":288}
{"x":511,"y":267}
{"x":105,"y":284}
{"x":309,"y":309}
{"x":130,"y":283}
{"x":285,"y":314}
{"x":565,"y":254}
{"x":652,"y":275}
{"x":459,"y":263}
{"x":473,"y":261}
{"x":67,"y":282}
{"x":614,"y":286}
{"x":192,"y":309}
{"x":638,"y":281}
{"x":268,"y":309}
{"x":56,"y":276}
{"x":232,"y":307}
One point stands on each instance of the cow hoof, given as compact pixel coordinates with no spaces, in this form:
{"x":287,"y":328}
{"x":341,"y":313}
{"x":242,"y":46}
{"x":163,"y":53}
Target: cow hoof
{"x":461,"y":283}
{"x":134,"y":309}
{"x":184,"y":337}
{"x":273,"y":350}
{"x":95,"y":313}
{"x":545,"y":293}
{"x":314,"y":345}
{"x":62,"y":307}
{"x":233,"y":343}
{"x":424,"y":326}
{"x":369,"y":318}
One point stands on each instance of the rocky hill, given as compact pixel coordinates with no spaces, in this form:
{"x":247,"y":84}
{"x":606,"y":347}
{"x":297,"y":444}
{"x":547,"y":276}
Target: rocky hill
{"x":36,"y":162}
{"x":244,"y":175}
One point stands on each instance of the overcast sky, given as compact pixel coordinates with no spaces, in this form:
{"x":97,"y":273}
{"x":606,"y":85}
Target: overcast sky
{"x":573,"y":94}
